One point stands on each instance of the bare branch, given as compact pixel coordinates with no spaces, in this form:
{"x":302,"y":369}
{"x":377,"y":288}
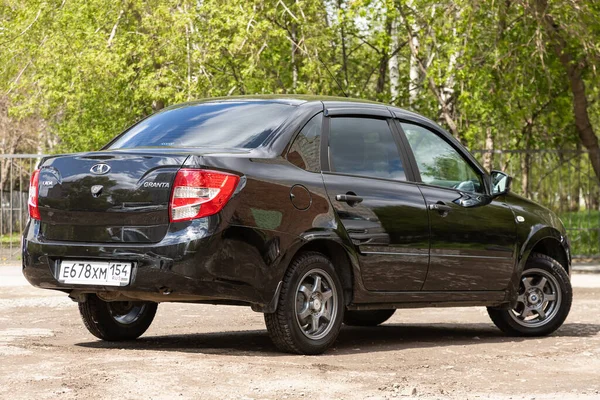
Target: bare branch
{"x":113,"y":32}
{"x":288,"y":10}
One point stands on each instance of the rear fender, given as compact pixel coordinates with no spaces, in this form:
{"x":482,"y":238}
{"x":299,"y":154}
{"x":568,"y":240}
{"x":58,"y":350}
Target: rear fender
{"x":314,"y":240}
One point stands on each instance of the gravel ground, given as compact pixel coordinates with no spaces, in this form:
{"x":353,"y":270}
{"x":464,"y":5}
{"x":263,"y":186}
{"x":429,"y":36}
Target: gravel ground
{"x":199,"y":351}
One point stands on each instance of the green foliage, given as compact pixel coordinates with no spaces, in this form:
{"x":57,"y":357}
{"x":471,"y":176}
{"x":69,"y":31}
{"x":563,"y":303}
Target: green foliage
{"x":497,"y":74}
{"x":8,"y":239}
{"x":583,"y":231}
{"x":92,"y":68}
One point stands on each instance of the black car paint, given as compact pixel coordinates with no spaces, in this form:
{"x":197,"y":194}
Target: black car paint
{"x":240,"y":255}
{"x":475,"y":256}
{"x":131,"y":206}
{"x":389,"y":228}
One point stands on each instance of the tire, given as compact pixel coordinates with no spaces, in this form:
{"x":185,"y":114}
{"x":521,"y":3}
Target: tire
{"x":367,"y":317}
{"x":299,"y":324}
{"x":542,"y":306}
{"x":116,"y":321}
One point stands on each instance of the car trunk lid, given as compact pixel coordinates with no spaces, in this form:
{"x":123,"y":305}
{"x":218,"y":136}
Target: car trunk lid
{"x":107,"y":197}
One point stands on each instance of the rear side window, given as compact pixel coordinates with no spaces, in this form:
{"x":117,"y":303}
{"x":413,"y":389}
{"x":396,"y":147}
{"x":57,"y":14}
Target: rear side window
{"x":364,"y":146}
{"x":305,"y":151}
{"x":228,"y":124}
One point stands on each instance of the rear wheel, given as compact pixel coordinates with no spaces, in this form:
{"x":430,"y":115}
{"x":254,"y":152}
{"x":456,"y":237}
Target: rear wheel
{"x":311,"y":306}
{"x":118,"y":320}
{"x":367,"y":317}
{"x":543,"y":301}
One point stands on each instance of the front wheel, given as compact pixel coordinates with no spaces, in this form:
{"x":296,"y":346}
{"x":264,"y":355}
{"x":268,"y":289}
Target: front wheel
{"x":543,"y":301}
{"x":117,"y":320}
{"x":311,"y":306}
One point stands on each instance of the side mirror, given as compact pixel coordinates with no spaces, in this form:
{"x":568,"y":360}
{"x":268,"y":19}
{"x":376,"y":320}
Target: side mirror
{"x":500,"y":183}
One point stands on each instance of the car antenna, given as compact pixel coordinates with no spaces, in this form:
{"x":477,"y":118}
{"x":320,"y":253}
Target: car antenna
{"x":325,"y":65}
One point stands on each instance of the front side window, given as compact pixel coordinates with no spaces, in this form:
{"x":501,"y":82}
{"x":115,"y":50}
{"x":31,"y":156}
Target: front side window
{"x":439,"y":163}
{"x":305,"y":152}
{"x":364,"y":146}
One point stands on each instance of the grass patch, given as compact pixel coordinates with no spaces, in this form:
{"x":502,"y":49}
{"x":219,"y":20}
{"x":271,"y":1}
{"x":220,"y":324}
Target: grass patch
{"x":8,"y":239}
{"x":583,"y":228}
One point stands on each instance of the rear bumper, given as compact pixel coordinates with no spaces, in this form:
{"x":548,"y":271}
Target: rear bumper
{"x":196,"y":261}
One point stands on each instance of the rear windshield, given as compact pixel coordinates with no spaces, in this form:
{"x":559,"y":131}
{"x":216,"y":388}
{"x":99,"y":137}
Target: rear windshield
{"x":224,"y":125}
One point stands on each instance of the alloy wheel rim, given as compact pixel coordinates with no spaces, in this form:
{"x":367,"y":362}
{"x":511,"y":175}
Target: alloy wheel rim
{"x":126,"y":312}
{"x":539,"y":299}
{"x":316,"y":304}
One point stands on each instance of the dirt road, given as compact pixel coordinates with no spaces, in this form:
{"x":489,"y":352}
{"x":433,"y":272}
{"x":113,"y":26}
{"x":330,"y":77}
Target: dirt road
{"x":198,"y":351}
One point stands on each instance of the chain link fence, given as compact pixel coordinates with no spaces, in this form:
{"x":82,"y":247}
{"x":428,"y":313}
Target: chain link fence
{"x":561,"y":180}
{"x":15,"y":173}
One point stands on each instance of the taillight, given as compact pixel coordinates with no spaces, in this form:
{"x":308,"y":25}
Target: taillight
{"x":34,"y":184}
{"x":199,"y":193}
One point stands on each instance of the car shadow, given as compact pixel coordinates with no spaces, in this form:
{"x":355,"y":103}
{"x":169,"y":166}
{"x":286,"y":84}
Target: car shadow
{"x":351,"y":340}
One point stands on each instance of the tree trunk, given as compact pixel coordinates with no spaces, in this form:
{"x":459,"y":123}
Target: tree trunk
{"x":447,"y":91}
{"x":157,"y":105}
{"x":344,"y":51}
{"x":414,"y":73}
{"x":382,"y":77}
{"x":525,"y":166}
{"x":393,"y":62}
{"x":585,"y":130}
{"x":383,"y":61}
{"x":574,"y":182}
{"x":574,"y":70}
{"x":188,"y":61}
{"x":445,"y":109}
{"x":488,"y":156}
{"x":294,"y":56}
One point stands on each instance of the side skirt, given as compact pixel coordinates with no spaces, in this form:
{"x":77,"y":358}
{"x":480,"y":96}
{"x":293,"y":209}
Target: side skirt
{"x":383,"y":300}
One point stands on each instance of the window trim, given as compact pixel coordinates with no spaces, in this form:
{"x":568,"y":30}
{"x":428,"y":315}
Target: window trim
{"x":442,"y":135}
{"x":326,"y":164}
{"x":288,"y":147}
{"x":354,"y":111}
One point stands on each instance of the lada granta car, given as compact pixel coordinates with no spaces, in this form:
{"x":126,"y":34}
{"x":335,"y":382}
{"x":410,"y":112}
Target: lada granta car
{"x":313,"y":211}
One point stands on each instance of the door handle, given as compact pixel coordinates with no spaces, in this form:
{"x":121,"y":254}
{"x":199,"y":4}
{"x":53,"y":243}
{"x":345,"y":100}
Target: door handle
{"x":351,"y":199}
{"x":440,"y":207}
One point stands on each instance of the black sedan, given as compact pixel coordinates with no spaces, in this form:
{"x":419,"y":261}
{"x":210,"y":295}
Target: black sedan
{"x":313,"y":211}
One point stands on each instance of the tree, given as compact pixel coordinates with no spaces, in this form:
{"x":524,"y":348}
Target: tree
{"x":574,"y":41}
{"x":515,"y":74}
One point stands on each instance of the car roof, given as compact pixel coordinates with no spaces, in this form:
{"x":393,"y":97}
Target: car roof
{"x":290,"y":99}
{"x":299,"y":99}
{"x":328,"y":102}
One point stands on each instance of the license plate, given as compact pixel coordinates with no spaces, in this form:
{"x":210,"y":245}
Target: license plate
{"x":101,"y":273}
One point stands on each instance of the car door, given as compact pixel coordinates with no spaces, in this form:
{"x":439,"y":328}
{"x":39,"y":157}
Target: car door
{"x":384,"y":215}
{"x":473,"y":236}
